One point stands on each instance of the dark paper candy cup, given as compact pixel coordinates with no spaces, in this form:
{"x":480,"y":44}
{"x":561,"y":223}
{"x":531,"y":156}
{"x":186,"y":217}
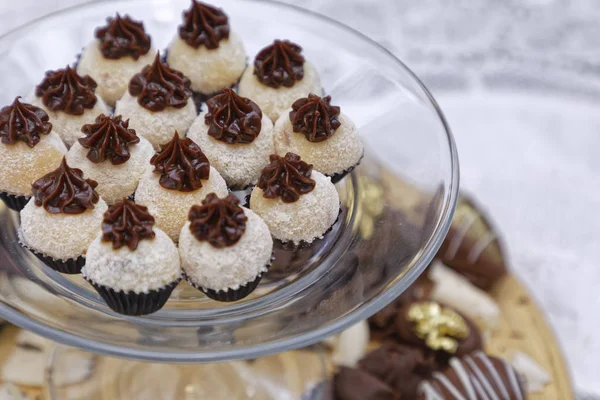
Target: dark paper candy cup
{"x":132,"y":303}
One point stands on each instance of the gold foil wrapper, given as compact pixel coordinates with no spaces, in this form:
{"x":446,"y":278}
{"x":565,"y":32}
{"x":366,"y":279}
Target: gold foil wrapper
{"x":440,"y":327}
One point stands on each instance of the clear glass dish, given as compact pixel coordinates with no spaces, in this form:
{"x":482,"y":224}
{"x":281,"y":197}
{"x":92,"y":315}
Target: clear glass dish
{"x":396,"y":207}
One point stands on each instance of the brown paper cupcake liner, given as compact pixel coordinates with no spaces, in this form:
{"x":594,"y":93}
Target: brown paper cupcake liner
{"x":72,"y":266}
{"x":134,"y":304}
{"x":335,"y":178}
{"x":231,"y":295}
{"x":13,"y":201}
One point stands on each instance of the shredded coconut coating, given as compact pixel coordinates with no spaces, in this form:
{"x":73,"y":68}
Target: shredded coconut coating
{"x":21,"y":165}
{"x":335,"y":155}
{"x":209,"y":70}
{"x":114,"y":181}
{"x":228,"y":267}
{"x":112,"y":76}
{"x":239,"y":164}
{"x":303,"y":220}
{"x":170,"y":208}
{"x":273,"y":101}
{"x":152,"y":266}
{"x":157,"y":127}
{"x":60,"y":236}
{"x":68,"y":126}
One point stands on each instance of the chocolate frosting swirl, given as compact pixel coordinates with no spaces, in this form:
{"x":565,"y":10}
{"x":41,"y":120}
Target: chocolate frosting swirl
{"x":204,"y":25}
{"x":66,"y":90}
{"x":24,"y":122}
{"x":286,"y":177}
{"x":65,"y":190}
{"x":221,"y":222}
{"x":123,"y":37}
{"x":233,"y":119}
{"x":126,"y":223}
{"x":280,"y":64}
{"x":108,"y":139}
{"x":159,"y":86}
{"x":182,"y":165}
{"x":314,"y":117}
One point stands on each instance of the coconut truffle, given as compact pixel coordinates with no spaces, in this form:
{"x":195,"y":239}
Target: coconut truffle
{"x":120,"y":49}
{"x":206,"y":50}
{"x":158,"y":103}
{"x":70,"y":101}
{"x":297,"y":203}
{"x":132,"y":266}
{"x":235,"y":136}
{"x":182,"y":176}
{"x":28,"y":147}
{"x":113,"y":155}
{"x":320,"y":134}
{"x":63,"y":216}
{"x":280,"y":75}
{"x":224,"y":246}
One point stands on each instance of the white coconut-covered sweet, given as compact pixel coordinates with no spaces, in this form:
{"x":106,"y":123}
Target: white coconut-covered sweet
{"x":274,"y":101}
{"x":60,"y":236}
{"x":111,"y":75}
{"x":170,"y":208}
{"x":68,"y":126}
{"x":153,"y":265}
{"x":21,"y":165}
{"x":239,"y":164}
{"x":209,"y":69}
{"x":157,"y":127}
{"x":307,"y":218}
{"x":334,"y":155}
{"x":114,"y":181}
{"x":227,"y":267}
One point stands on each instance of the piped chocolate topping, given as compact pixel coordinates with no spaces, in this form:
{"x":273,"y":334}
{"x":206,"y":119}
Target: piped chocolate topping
{"x":159,"y":86}
{"x":66,"y":90}
{"x":181,"y":165}
{"x":233,"y":119}
{"x":315,"y":117}
{"x":65,"y":190}
{"x":280,"y":64}
{"x":122,"y":37}
{"x":126,"y":223}
{"x":286,"y":177}
{"x":204,"y":25}
{"x":221,"y":222}
{"x":24,"y":122}
{"x":108,"y":138}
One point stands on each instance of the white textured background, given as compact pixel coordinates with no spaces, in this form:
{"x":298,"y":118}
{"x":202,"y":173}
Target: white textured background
{"x":519,"y":81}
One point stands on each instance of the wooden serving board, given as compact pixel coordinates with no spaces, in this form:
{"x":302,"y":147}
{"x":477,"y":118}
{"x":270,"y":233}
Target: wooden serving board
{"x":522,"y":328}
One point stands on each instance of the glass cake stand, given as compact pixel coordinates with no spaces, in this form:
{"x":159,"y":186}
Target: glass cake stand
{"x":396,"y":206}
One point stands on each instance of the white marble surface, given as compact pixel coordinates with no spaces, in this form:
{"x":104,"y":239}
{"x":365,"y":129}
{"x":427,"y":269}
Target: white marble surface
{"x":520,"y":84}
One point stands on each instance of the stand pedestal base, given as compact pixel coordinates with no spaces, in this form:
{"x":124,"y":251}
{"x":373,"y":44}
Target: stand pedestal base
{"x":285,"y":376}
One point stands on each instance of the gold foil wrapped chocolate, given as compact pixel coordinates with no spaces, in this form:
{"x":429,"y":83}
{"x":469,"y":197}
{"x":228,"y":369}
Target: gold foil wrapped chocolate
{"x":440,"y":327}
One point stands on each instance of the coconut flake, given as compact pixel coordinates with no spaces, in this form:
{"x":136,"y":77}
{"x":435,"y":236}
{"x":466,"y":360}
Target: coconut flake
{"x":351,"y":345}
{"x":453,"y":289}
{"x":535,"y":375}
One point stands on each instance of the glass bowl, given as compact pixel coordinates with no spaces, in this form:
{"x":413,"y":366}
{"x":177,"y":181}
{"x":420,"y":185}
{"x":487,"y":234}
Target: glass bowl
{"x":396,"y":206}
